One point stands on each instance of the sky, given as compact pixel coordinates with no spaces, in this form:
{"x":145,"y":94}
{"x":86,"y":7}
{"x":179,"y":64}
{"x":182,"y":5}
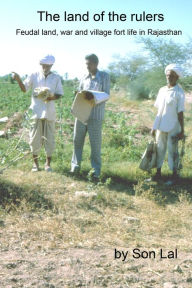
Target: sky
{"x":22,"y":53}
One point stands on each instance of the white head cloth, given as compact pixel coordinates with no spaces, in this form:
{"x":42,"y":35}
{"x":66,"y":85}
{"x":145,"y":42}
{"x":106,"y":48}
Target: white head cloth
{"x":48,"y":59}
{"x":174,"y":67}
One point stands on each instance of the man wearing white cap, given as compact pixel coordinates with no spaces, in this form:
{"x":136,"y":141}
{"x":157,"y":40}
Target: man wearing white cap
{"x":169,"y":123}
{"x":43,"y":109}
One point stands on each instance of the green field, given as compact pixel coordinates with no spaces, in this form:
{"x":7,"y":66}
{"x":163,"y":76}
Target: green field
{"x":56,"y":236}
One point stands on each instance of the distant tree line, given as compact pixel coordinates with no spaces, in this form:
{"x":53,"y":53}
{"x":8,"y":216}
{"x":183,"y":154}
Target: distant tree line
{"x":142,"y":76}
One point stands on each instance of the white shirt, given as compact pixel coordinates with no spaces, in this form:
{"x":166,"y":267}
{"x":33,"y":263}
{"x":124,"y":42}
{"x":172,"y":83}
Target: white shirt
{"x":170,"y":101}
{"x":42,"y":110}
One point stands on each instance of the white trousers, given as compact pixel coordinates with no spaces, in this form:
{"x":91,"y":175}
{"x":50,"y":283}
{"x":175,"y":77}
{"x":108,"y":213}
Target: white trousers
{"x":165,"y":141}
{"x":42,"y":133}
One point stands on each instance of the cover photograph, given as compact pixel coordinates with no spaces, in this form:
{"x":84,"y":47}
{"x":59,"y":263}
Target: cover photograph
{"x":96,"y":144}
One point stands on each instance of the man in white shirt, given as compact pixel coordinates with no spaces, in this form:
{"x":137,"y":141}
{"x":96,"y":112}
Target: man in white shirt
{"x":169,"y":122}
{"x":44,"y":114}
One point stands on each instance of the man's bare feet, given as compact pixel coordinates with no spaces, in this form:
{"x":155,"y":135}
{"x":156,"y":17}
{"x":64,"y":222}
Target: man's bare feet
{"x":35,"y":168}
{"x":48,"y":165}
{"x":48,"y":168}
{"x":173,"y":180}
{"x":156,"y":177}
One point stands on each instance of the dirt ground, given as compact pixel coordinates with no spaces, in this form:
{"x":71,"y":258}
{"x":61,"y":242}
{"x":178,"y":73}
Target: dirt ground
{"x":26,"y":261}
{"x":80,"y":267}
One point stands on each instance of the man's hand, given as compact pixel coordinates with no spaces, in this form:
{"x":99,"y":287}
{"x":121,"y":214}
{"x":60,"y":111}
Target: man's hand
{"x":88,"y":95}
{"x":16,"y":76}
{"x":181,"y":135}
{"x":153,"y":133}
{"x":53,"y":97}
{"x":50,"y":97}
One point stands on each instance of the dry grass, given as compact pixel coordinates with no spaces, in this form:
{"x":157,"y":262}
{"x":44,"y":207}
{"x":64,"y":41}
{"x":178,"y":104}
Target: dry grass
{"x":51,"y":237}
{"x":76,"y":236}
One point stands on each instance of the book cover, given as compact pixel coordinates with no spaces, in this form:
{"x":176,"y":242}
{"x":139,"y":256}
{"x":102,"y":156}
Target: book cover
{"x":75,"y":208}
